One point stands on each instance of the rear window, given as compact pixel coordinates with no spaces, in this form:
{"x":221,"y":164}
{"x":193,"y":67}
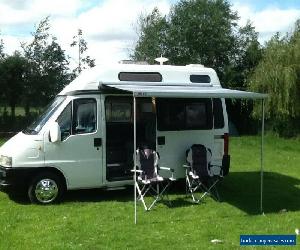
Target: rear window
{"x":179,"y":114}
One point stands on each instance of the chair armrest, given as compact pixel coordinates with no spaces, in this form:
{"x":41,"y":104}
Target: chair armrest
{"x":165,"y":168}
{"x":186,"y":166}
{"x":137,"y":171}
{"x":168,"y":169}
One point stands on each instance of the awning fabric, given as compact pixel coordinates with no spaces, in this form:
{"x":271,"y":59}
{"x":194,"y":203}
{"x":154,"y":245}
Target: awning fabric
{"x":185,"y":91}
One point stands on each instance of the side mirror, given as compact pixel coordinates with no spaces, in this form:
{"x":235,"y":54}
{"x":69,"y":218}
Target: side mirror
{"x":54,"y":133}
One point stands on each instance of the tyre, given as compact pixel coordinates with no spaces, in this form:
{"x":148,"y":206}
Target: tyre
{"x":46,"y":188}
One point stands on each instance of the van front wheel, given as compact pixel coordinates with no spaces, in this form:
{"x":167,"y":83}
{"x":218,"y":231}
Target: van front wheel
{"x":45,"y":188}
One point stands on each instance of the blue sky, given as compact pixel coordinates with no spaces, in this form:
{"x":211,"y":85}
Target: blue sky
{"x":109,"y":25}
{"x":262,"y":4}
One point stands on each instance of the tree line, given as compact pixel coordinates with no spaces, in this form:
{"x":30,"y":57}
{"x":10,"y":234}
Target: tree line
{"x":194,"y":32}
{"x":207,"y":32}
{"x":32,"y":76}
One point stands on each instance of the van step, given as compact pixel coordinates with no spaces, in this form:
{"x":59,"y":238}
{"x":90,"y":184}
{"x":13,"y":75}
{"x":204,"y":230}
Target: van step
{"x":115,"y":188}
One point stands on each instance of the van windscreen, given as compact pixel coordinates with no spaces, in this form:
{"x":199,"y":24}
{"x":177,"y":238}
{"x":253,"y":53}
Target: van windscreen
{"x":39,"y":123}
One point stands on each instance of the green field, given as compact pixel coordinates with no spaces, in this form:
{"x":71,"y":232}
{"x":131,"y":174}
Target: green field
{"x":104,"y":219}
{"x":19,"y":111}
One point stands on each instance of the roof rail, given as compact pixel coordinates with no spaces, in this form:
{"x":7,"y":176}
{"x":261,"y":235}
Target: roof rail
{"x":133,"y":62}
{"x":196,"y":65}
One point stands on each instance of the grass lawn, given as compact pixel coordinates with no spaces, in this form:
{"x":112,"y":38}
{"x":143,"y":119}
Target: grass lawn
{"x":104,"y":219}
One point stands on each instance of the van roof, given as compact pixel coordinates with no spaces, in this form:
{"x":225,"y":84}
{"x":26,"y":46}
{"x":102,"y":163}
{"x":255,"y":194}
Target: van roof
{"x":93,"y":78}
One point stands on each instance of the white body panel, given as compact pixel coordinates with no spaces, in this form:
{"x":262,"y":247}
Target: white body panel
{"x":172,"y":154}
{"x":27,"y":150}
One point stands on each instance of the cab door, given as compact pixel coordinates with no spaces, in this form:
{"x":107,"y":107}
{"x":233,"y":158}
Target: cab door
{"x":79,"y":153}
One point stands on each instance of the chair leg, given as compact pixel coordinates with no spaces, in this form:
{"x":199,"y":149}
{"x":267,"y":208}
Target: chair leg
{"x":208,"y":190}
{"x":159,"y":194}
{"x":192,"y":189}
{"x":141,"y":195}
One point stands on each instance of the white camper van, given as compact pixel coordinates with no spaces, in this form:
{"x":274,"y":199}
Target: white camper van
{"x":85,"y":138}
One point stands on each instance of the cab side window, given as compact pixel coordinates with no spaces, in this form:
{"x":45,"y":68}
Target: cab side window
{"x":82,"y":120}
{"x":85,"y":115}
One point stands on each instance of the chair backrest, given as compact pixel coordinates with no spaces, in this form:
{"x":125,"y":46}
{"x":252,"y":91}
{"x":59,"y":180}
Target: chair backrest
{"x":199,"y":157}
{"x":148,"y":162}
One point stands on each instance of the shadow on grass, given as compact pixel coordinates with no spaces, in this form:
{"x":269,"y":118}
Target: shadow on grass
{"x":239,"y":189}
{"x":98,"y":195}
{"x":242,"y":190}
{"x":85,"y":195}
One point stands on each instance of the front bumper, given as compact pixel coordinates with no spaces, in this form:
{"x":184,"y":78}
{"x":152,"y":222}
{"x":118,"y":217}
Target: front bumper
{"x":11,"y":178}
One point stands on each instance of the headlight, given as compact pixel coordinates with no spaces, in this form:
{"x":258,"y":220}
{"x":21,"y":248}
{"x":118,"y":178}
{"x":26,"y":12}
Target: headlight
{"x":5,"y":161}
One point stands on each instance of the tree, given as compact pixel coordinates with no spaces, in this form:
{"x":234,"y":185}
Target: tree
{"x":13,"y":70}
{"x":278,"y":74}
{"x":1,"y":49}
{"x":247,"y":55}
{"x":48,"y":65}
{"x":152,"y":31}
{"x":203,"y":32}
{"x":2,"y":97}
{"x":84,"y":60}
{"x":198,"y":31}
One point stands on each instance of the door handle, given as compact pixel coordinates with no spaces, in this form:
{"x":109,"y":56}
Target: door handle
{"x":161,"y":140}
{"x":97,"y":142}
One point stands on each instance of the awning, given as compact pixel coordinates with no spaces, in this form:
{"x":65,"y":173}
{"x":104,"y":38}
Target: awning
{"x":187,"y":91}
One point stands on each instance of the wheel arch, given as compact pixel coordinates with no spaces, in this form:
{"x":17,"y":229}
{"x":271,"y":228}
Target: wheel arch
{"x":53,"y":170}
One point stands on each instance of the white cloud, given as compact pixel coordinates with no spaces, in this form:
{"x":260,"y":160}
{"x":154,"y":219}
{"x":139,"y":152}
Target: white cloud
{"x":268,"y":21}
{"x":108,"y":27}
{"x":30,"y":11}
{"x":11,"y":43}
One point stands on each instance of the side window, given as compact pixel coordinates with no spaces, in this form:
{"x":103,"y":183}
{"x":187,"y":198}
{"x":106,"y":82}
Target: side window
{"x":196,"y":115}
{"x":84,"y":116}
{"x":118,"y":112}
{"x":218,"y":114}
{"x":177,"y":114}
{"x":64,"y":121}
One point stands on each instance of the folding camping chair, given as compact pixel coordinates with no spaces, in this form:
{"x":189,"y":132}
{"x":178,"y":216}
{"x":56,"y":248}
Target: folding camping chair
{"x":199,"y":174}
{"x":148,"y":180}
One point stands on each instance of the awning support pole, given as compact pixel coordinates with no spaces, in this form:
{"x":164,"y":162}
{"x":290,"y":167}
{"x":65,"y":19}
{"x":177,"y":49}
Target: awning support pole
{"x":134,"y":153}
{"x":262,"y":155}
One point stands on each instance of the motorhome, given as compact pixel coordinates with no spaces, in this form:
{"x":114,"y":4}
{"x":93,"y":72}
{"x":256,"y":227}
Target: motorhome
{"x":85,"y":138}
